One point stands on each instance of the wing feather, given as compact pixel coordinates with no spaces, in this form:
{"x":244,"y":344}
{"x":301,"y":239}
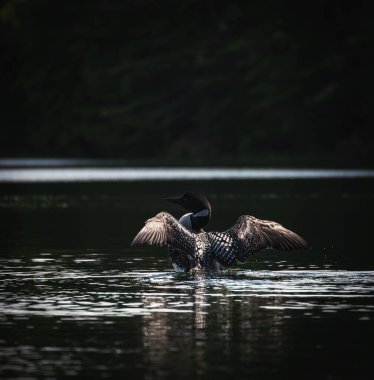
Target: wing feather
{"x":250,"y":235}
{"x":164,"y":229}
{"x":153,"y":233}
{"x":256,"y":234}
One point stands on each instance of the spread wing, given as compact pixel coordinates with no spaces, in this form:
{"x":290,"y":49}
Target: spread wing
{"x":250,"y":235}
{"x":164,"y":229}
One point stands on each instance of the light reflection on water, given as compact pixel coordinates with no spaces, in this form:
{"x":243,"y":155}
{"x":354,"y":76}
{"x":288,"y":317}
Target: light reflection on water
{"x":81,"y":293}
{"x":70,"y":296}
{"x":172,"y":174}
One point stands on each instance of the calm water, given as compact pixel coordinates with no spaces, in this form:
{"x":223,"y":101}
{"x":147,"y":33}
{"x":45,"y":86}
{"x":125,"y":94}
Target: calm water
{"x":77,"y":301}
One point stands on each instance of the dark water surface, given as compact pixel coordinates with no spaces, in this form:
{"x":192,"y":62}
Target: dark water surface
{"x":77,"y":301}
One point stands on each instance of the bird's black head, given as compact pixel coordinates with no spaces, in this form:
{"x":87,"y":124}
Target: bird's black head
{"x":192,"y":202}
{"x":198,"y":205}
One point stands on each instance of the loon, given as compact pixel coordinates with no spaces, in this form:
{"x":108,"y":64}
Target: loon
{"x":200,"y":250}
{"x":195,"y":221}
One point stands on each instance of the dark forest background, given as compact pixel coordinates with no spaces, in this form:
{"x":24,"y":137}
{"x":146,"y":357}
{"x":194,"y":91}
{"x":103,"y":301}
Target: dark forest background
{"x":202,"y":81}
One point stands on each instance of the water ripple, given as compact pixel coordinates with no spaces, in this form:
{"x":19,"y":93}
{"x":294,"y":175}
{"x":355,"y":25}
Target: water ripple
{"x":142,"y":293}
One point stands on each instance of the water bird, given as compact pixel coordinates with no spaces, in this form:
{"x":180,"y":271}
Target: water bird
{"x":195,"y":220}
{"x":191,"y":248}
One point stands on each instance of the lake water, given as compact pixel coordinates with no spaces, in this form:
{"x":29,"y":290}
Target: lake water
{"x":76,"y":301}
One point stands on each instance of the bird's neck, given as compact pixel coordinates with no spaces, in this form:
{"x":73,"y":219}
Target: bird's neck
{"x":200,"y":219}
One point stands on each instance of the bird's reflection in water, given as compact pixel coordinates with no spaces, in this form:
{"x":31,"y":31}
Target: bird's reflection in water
{"x":188,"y":317}
{"x":175,"y":330}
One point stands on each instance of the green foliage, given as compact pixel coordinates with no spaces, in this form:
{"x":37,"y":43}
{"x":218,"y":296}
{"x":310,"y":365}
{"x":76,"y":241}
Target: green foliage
{"x":192,"y":79}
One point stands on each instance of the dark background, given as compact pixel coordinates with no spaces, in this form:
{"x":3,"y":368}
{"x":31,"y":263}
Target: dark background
{"x":272,"y":82}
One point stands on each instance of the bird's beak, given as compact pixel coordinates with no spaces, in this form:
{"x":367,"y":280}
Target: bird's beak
{"x":177,"y":200}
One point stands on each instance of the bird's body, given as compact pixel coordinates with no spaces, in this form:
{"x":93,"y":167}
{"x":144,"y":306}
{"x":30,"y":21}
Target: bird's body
{"x":209,"y":250}
{"x":195,"y":220}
